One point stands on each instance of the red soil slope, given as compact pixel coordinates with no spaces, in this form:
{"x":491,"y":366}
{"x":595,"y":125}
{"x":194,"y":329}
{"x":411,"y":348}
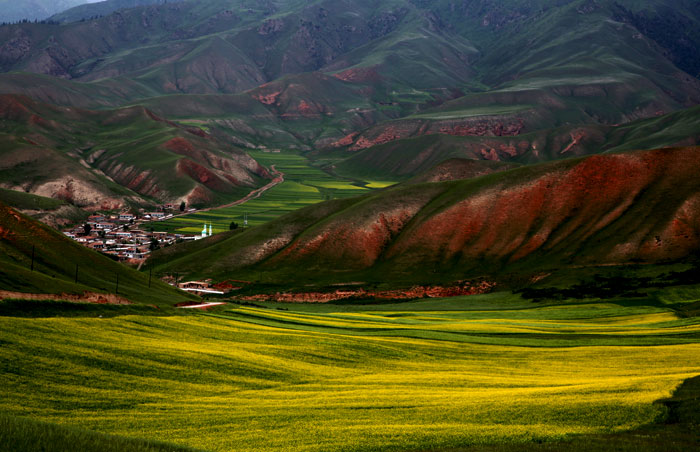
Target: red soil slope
{"x":631,"y":207}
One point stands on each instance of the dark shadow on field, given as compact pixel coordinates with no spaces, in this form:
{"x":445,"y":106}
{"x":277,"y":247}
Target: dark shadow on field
{"x":678,"y":431}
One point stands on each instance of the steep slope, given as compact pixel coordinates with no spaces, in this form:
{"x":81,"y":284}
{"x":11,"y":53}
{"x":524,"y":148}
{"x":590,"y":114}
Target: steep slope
{"x":54,"y":269}
{"x":607,"y":209}
{"x":107,"y":159}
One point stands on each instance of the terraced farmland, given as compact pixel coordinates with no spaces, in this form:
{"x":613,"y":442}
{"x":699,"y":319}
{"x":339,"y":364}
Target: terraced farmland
{"x":433,"y":374}
{"x":304,"y":185}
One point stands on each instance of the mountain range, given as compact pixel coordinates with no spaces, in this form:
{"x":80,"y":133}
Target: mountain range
{"x":130,"y":103}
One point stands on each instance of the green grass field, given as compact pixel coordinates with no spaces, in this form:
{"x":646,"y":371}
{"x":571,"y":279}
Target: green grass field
{"x":424,"y":375}
{"x":304,"y":185}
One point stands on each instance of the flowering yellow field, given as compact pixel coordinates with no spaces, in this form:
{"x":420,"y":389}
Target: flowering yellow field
{"x":258,"y":379}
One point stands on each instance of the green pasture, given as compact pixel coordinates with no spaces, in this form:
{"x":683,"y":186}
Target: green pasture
{"x":449,"y":374}
{"x":304,"y":185}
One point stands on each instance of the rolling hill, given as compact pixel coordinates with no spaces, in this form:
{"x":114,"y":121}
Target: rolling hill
{"x":610,"y":209}
{"x":115,"y":158}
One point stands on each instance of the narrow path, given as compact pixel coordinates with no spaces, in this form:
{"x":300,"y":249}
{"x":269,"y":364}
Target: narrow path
{"x":278,"y":179}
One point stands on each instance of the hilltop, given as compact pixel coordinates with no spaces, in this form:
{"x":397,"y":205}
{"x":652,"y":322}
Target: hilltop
{"x":13,"y":11}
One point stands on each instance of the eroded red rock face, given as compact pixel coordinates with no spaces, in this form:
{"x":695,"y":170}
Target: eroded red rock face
{"x":201,"y":174}
{"x":356,"y":244}
{"x":267,"y":98}
{"x":12,"y":108}
{"x":359,"y":75}
{"x":386,"y":133}
{"x":199,"y":195}
{"x":179,"y":145}
{"x":347,"y":140}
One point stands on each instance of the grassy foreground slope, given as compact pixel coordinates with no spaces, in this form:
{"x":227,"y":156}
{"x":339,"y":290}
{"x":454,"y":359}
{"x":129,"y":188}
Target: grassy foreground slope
{"x":606,"y":209}
{"x":28,"y":435}
{"x":252,"y":379}
{"x":55,"y":261}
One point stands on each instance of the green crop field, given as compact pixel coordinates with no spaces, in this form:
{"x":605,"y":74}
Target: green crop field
{"x":304,"y":184}
{"x":418,"y":376}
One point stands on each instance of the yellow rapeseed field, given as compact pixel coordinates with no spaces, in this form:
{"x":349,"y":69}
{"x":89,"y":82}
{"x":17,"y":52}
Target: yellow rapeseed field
{"x":252,"y":379}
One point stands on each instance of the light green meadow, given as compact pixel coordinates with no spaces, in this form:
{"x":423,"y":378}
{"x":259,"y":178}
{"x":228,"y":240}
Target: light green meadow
{"x":304,"y":185}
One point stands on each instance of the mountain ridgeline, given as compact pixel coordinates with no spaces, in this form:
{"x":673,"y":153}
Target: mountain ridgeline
{"x":329,"y":74}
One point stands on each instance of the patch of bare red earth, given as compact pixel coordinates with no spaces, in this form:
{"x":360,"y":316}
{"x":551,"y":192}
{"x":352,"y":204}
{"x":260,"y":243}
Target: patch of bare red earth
{"x":85,"y":297}
{"x":359,"y":75}
{"x":412,"y":293}
{"x":386,"y":134}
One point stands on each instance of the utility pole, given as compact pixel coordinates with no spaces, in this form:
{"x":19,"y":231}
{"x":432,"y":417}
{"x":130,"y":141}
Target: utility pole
{"x":150,"y":273}
{"x":32,"y":257}
{"x":76,"y":273}
{"x":116,"y":290}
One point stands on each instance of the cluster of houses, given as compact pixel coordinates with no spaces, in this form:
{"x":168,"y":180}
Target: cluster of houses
{"x":123,"y":236}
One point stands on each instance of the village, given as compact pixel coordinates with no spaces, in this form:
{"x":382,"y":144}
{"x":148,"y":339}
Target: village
{"x":127,"y":236}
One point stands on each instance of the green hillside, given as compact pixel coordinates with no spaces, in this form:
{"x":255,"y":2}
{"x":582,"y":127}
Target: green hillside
{"x":50,"y":211}
{"x":408,"y":157}
{"x":531,"y":220}
{"x":522,"y":66}
{"x":115,"y":158}
{"x":55,"y":261}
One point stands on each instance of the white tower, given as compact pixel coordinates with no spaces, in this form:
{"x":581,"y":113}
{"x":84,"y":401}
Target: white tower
{"x":204,"y":231}
{"x":209,"y":229}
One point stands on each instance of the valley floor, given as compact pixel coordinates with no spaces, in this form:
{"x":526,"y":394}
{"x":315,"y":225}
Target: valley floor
{"x":413,"y":376}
